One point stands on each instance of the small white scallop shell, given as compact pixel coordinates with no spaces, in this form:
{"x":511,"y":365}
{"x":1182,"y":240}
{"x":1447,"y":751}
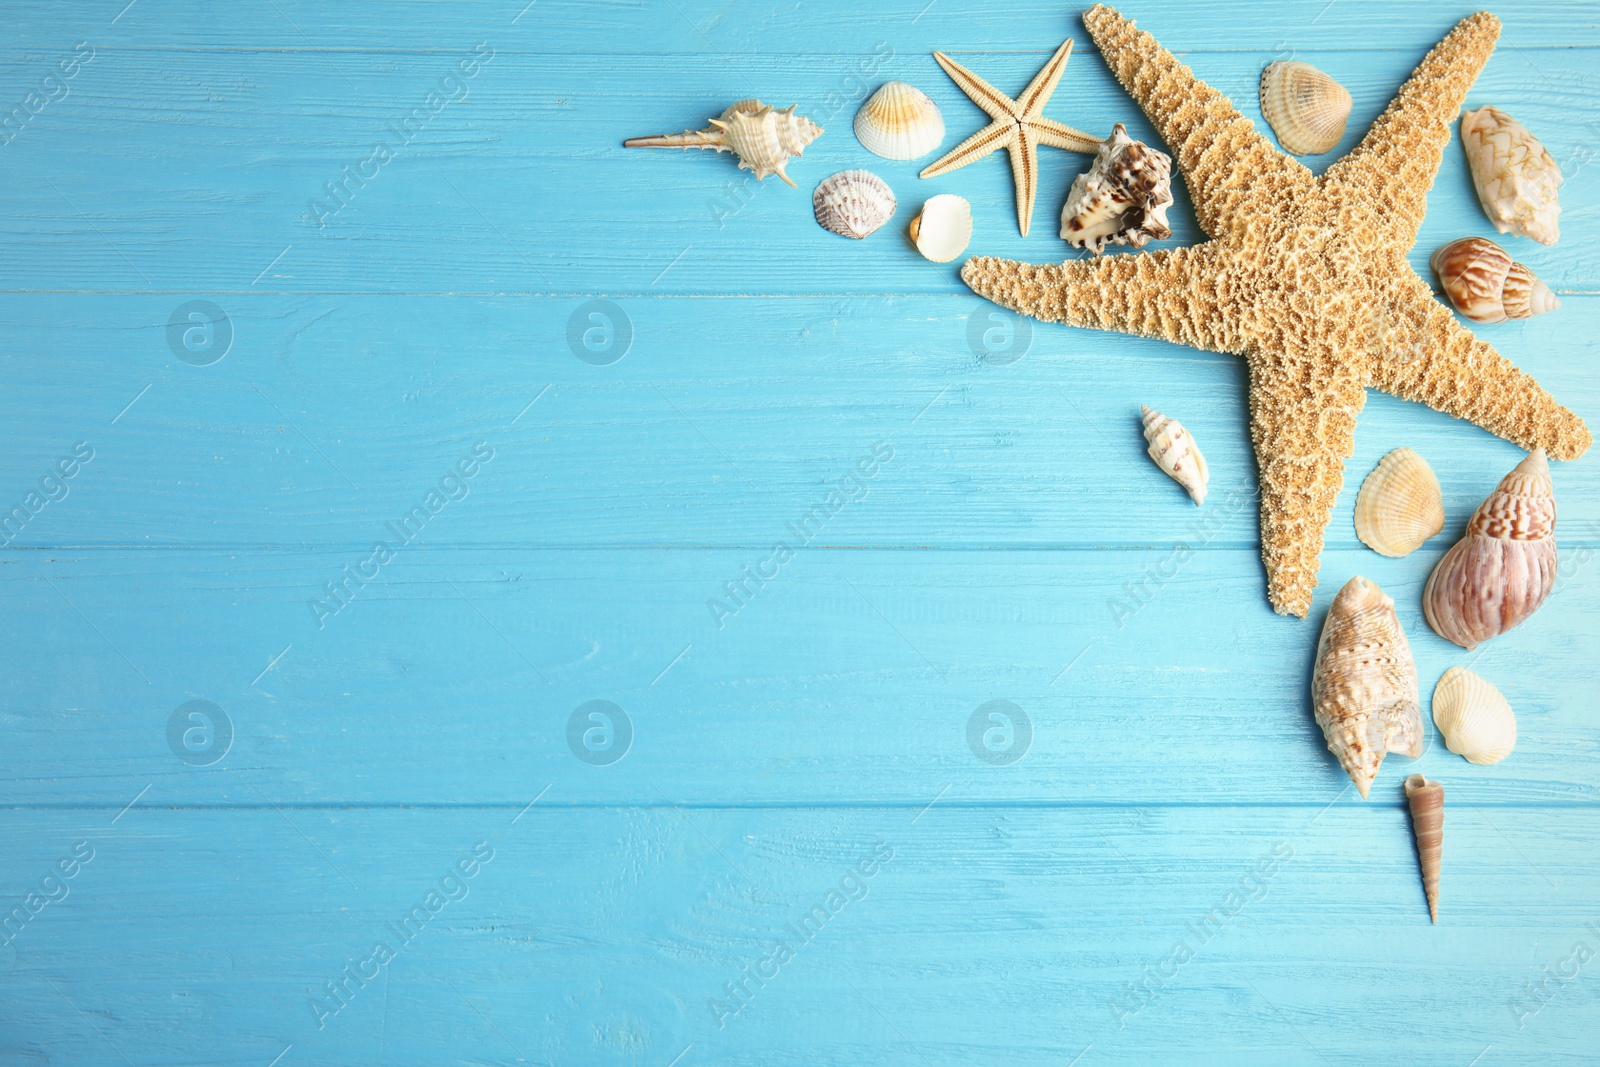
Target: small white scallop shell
{"x":1174,"y":450}
{"x":943,"y":227}
{"x":1400,"y":505}
{"x":1476,"y":721}
{"x":1515,"y":177}
{"x":899,"y":122}
{"x":1306,"y":108}
{"x":853,"y":203}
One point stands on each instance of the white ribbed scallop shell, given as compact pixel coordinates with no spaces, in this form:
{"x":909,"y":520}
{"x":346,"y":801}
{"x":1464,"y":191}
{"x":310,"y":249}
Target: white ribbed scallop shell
{"x":1475,"y":719}
{"x":853,"y":203}
{"x":899,"y":122}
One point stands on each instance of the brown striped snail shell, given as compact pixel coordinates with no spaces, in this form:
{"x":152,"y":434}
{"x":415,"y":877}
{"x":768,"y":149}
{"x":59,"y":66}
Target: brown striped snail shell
{"x":1486,"y":285}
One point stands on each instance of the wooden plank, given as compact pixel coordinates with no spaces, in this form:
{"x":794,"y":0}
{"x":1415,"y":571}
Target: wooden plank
{"x":851,"y":676}
{"x":725,"y":421}
{"x":206,"y":172}
{"x":659,"y":26}
{"x":602,"y":936}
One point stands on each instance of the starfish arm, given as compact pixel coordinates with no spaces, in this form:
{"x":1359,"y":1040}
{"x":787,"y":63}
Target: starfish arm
{"x":1038,"y":92}
{"x":1303,"y":408}
{"x":1229,"y":166}
{"x":1395,"y":163}
{"x":1000,"y":107}
{"x":1060,"y":135}
{"x":1024,"y":152}
{"x":1434,"y":360}
{"x":972,"y":149}
{"x":1170,"y":294}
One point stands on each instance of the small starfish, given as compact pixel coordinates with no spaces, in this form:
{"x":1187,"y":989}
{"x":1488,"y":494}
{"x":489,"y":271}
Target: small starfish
{"x":1305,"y":277}
{"x":1018,"y":127}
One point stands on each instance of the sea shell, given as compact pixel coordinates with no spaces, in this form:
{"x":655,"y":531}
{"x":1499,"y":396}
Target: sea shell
{"x":1426,"y":799}
{"x":764,"y":139}
{"x":899,"y":122}
{"x":943,"y":227}
{"x":1305,"y":108}
{"x":1476,"y":721}
{"x":1485,"y":285}
{"x":1515,"y":177}
{"x":1364,"y":686}
{"x":1504,"y":567}
{"x":853,"y":203}
{"x":1174,"y":450}
{"x":1400,"y":505}
{"x":1122,"y":198}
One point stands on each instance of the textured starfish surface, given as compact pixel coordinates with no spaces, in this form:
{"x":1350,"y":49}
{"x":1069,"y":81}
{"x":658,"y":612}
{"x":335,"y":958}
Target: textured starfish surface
{"x":1305,"y":277}
{"x":1018,"y":127}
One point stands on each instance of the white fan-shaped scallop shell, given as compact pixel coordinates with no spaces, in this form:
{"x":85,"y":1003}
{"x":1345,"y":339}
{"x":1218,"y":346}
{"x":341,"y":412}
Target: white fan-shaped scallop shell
{"x":943,"y":227}
{"x":899,"y":122}
{"x":1174,"y":450}
{"x":1475,"y":719}
{"x":853,"y":203}
{"x":1400,"y":504}
{"x":1122,"y":198}
{"x":1305,"y":107}
{"x":1517,"y":180}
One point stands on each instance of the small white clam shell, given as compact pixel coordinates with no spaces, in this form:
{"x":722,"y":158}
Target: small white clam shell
{"x":899,"y":122}
{"x":943,"y":227}
{"x":1400,"y":505}
{"x":1475,"y":719}
{"x":1174,"y":450}
{"x":1306,"y":108}
{"x":853,"y":203}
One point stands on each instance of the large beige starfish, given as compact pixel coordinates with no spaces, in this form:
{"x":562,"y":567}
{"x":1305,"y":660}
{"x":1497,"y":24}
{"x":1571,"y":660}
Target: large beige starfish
{"x":1018,"y":127}
{"x":1305,"y":277}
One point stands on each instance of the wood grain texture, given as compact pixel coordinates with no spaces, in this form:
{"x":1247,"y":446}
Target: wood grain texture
{"x":1012,"y":542}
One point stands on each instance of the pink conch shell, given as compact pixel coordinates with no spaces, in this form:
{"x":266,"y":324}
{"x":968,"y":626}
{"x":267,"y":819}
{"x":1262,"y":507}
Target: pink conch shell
{"x":1501,"y":571}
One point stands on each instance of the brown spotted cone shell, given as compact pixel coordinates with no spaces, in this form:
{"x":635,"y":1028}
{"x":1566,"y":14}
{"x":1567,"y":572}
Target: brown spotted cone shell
{"x":1364,"y":685}
{"x":1426,"y":798}
{"x":1502,"y":570}
{"x":1485,"y":284}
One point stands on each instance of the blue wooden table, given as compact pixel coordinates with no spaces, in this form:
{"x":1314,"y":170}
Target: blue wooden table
{"x":400,"y":674}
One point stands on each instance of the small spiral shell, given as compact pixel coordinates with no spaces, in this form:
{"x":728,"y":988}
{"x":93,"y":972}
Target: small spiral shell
{"x":1174,"y":450}
{"x":1486,"y":285}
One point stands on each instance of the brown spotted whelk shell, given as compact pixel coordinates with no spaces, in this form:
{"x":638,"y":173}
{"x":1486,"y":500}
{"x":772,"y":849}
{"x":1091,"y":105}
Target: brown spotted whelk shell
{"x":1364,"y":685}
{"x":1483,"y":282}
{"x":1502,"y":570}
{"x":1517,"y":180}
{"x":1122,"y":198}
{"x":763,"y":138}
